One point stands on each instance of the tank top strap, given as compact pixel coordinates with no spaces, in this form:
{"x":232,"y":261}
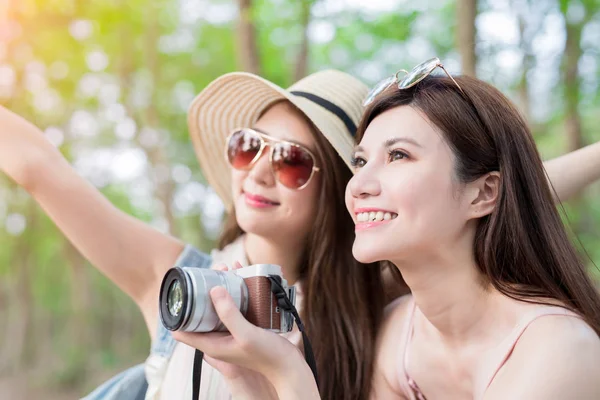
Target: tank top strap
{"x":403,"y":379}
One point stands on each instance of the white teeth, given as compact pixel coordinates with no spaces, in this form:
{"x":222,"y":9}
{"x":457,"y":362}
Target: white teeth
{"x":375,"y":216}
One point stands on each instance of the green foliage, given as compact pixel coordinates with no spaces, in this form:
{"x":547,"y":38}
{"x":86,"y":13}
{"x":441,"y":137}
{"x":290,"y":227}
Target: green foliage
{"x":158,"y":57}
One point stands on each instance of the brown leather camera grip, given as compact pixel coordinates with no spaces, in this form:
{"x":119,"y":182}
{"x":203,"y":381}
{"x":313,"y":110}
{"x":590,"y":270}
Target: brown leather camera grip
{"x":262,"y":305}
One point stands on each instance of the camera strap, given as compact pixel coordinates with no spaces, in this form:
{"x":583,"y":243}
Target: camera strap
{"x":196,"y":374}
{"x":284,"y":303}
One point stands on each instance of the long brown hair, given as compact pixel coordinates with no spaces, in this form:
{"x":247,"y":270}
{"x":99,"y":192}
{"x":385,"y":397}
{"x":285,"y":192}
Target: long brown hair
{"x":343,"y":299}
{"x":522,"y":247}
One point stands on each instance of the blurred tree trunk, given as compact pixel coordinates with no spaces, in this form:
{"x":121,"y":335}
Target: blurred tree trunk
{"x":572,"y":83}
{"x":302,"y":61}
{"x":249,"y":57}
{"x":164,"y":187}
{"x":528,"y":60}
{"x":466,"y":15}
{"x":163,"y":183}
{"x":18,"y":350}
{"x":81,"y":307}
{"x":572,"y":55}
{"x":572,"y":93}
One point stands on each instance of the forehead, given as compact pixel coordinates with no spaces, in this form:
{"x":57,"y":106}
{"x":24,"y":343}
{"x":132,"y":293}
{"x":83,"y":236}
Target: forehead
{"x":284,"y":122}
{"x":404,"y":121}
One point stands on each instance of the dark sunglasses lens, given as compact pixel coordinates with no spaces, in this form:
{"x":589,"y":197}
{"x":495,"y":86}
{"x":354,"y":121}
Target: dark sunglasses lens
{"x":292,"y":165}
{"x":418,"y":73}
{"x":242,"y":148}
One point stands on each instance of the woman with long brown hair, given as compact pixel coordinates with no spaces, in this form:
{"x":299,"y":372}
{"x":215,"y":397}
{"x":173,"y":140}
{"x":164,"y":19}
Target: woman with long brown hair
{"x":283,"y":179}
{"x":450,"y":188}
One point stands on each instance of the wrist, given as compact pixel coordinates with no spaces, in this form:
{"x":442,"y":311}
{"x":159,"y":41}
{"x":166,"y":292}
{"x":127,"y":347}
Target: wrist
{"x":251,"y":387}
{"x":296,"y":381}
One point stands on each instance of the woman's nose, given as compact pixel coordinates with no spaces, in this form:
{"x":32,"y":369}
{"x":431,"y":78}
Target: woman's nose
{"x":364,"y":184}
{"x":261,"y":171}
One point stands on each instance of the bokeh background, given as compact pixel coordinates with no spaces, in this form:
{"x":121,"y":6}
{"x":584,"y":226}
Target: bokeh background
{"x":109,"y":82}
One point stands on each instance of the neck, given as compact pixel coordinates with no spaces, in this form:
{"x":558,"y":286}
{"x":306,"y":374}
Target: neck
{"x":451,"y":294}
{"x":286,"y":254}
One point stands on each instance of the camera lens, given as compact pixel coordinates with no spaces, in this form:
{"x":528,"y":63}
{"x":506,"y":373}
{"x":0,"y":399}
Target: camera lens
{"x":185,"y":303}
{"x":175,"y":299}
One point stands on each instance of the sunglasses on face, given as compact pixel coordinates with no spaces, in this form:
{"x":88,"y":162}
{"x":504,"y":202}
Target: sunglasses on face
{"x":409,"y":80}
{"x":292,"y":164}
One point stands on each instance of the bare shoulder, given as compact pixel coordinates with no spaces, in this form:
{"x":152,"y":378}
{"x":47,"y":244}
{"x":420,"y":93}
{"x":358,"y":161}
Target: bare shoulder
{"x":557,"y":357}
{"x":390,"y":334}
{"x":564,"y":337}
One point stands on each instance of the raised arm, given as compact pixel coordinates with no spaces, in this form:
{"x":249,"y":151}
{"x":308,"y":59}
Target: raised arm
{"x":572,"y":172}
{"x":131,"y":253}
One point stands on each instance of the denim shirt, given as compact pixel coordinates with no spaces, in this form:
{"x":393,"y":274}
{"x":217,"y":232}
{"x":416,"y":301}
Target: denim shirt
{"x":132,"y":384}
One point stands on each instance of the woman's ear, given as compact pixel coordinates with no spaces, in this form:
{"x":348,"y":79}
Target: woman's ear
{"x":485,"y":192}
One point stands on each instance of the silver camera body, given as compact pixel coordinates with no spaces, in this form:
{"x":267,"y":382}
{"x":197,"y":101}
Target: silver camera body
{"x":185,"y":304}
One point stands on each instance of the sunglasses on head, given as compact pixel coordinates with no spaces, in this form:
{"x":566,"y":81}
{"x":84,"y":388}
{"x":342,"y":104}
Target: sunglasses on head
{"x":409,"y":80}
{"x":292,"y":164}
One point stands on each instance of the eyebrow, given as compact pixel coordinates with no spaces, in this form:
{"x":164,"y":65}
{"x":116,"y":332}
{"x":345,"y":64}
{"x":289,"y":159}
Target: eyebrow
{"x":261,"y":131}
{"x":390,"y":142}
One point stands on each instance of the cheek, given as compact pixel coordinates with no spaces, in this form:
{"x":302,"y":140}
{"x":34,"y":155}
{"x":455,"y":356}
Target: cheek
{"x":349,"y":200}
{"x":423,"y":201}
{"x":301,"y":205}
{"x":409,"y":190}
{"x":237,"y":179}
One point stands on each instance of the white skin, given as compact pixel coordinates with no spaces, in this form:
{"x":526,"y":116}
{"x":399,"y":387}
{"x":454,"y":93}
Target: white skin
{"x":133,"y":254}
{"x":430,"y":237}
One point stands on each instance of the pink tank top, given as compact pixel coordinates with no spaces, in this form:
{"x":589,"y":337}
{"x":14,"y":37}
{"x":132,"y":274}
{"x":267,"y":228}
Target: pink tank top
{"x":489,"y":367}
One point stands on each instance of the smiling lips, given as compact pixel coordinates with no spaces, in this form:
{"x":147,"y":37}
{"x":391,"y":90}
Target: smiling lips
{"x":257,"y":201}
{"x":370,"y":218}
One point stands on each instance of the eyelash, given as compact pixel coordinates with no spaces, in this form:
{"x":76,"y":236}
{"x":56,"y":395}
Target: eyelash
{"x":355,"y":160}
{"x":391,"y":153}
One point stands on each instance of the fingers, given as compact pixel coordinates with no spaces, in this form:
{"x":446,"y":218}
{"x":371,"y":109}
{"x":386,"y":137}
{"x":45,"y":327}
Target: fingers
{"x":224,"y":267}
{"x":230,"y":315}
{"x":207,"y":342}
{"x":220,"y":267}
{"x":229,"y":371}
{"x":237,"y":265}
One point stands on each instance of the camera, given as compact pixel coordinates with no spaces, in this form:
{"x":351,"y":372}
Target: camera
{"x":185,"y":304}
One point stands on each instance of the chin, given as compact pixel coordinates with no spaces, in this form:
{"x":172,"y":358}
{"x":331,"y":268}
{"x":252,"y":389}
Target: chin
{"x":366,"y":254}
{"x":256,"y":226}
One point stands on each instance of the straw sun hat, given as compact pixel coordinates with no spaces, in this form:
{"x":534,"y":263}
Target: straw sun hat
{"x":331,"y":99}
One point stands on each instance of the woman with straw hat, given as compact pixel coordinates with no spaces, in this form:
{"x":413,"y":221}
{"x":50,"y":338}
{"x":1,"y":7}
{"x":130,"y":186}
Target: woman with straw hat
{"x":285,"y":194}
{"x":285,"y":168}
